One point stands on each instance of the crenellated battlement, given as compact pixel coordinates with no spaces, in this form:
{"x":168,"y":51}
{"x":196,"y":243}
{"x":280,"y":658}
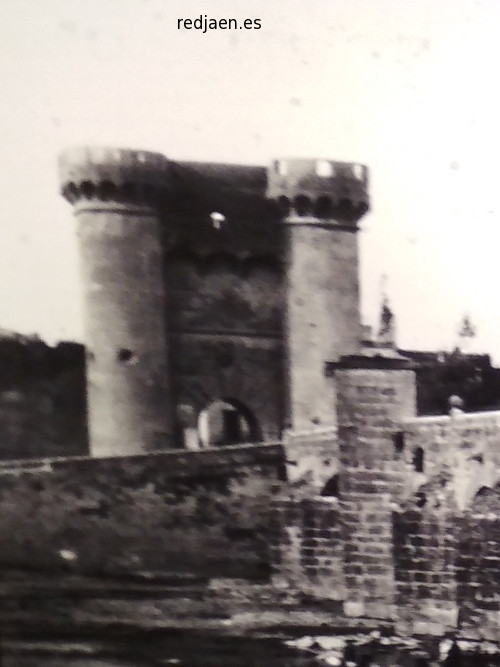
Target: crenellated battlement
{"x":319,"y":189}
{"x":112,"y":174}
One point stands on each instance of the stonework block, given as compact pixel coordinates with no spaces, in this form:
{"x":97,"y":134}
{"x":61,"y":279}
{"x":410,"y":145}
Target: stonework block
{"x":379,"y":609}
{"x":354,"y":608}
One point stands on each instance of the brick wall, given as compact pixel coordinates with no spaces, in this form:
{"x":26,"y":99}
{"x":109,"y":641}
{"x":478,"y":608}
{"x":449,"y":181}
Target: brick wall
{"x":478,"y":574}
{"x":368,"y":561}
{"x":447,"y":568}
{"x":424,"y":562}
{"x":478,"y":565}
{"x":373,"y":396}
{"x":308,"y":550}
{"x":374,"y":400}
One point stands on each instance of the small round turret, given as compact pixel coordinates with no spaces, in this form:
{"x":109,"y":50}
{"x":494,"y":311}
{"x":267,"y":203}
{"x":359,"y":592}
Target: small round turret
{"x":115,"y":194}
{"x":319,"y":189}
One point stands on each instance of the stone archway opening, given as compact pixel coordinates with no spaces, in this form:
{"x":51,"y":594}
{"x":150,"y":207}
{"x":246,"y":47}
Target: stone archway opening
{"x":226,"y":422}
{"x":331,"y":488}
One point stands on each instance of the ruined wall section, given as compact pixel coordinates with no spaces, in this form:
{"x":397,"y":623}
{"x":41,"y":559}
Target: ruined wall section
{"x":446,"y":533}
{"x":313,"y":461}
{"x":467,"y":446}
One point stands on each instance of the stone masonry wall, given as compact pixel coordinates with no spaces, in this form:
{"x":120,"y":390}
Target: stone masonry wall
{"x":308,"y":551}
{"x":371,"y":403}
{"x":478,"y":574}
{"x":424,"y":558}
{"x":204,"y":513}
{"x":446,"y":536}
{"x":478,"y":565}
{"x":312,"y":459}
{"x":447,"y":567}
{"x":322,"y":316}
{"x":225,"y":319}
{"x":465,"y":444}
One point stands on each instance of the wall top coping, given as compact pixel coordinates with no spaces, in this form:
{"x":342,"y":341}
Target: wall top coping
{"x":291,"y":435}
{"x":210,"y":458}
{"x":457,"y":419}
{"x":369,"y":362}
{"x":292,"y":176}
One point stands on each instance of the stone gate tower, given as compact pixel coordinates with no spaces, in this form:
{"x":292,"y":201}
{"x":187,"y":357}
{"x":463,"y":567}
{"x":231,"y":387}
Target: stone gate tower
{"x":115,"y":195}
{"x":260,"y":267}
{"x":321,"y":202}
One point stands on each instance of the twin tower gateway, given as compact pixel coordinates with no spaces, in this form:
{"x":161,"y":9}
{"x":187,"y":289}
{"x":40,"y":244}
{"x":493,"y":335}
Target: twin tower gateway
{"x":215,"y":295}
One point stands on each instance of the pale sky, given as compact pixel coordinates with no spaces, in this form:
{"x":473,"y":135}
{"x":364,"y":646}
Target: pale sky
{"x":408,"y":87}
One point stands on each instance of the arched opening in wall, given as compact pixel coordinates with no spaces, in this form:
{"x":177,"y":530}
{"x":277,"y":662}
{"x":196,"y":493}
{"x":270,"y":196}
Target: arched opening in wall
{"x":88,"y":189}
{"x":302,"y":205}
{"x":284,"y":205}
{"x":107,"y":190}
{"x":323,"y":207}
{"x":227,"y":422}
{"x":486,"y":501}
{"x":418,"y":459}
{"x":331,"y":488}
{"x":484,"y":492}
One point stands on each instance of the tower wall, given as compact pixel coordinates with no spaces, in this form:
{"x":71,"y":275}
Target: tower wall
{"x":321,"y":202}
{"x":115,"y":194}
{"x":322,"y":316}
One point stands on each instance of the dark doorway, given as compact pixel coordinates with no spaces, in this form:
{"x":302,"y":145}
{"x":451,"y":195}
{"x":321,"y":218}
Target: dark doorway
{"x":226,"y":422}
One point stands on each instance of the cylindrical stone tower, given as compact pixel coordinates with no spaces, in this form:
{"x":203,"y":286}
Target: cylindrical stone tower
{"x":321,"y":202}
{"x":115,"y":195}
